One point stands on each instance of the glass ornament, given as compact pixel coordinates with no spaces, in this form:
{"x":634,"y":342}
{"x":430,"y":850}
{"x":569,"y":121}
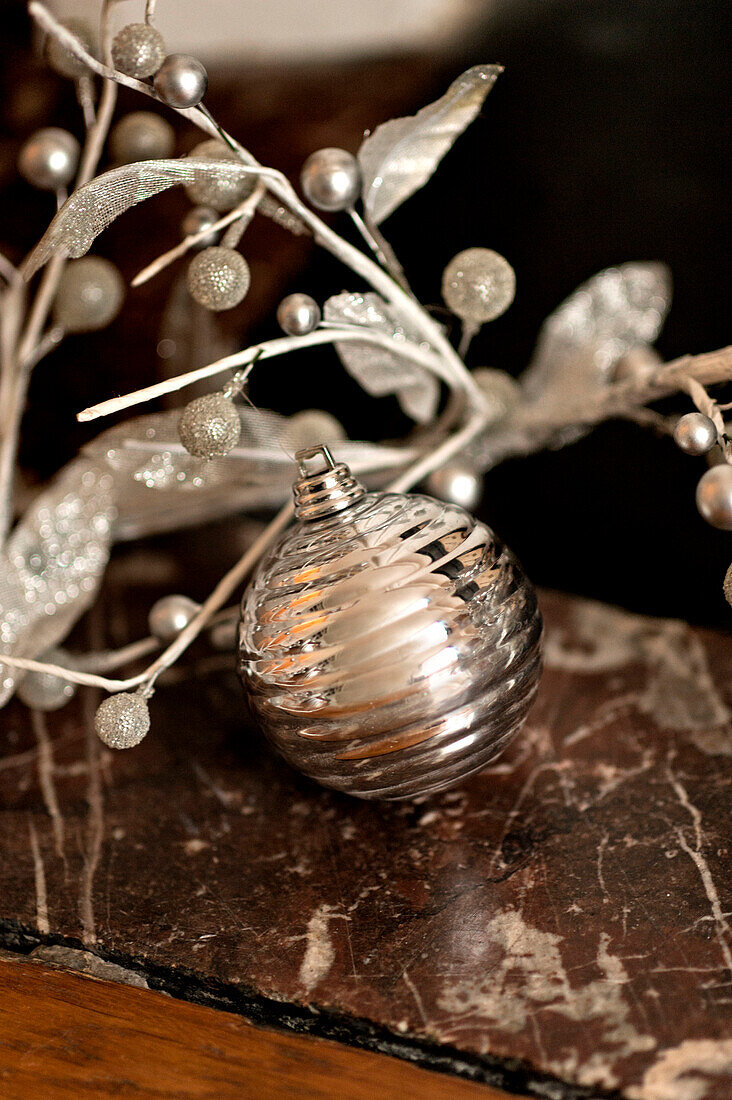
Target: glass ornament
{"x":389,"y":644}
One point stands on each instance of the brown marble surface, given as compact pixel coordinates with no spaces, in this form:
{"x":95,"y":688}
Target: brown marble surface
{"x":558,"y":926}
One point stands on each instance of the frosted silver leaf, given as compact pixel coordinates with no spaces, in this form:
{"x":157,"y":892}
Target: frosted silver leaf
{"x":581,"y":342}
{"x":375,"y":369}
{"x":53,"y":562}
{"x":92,"y":208}
{"x":401,"y":155}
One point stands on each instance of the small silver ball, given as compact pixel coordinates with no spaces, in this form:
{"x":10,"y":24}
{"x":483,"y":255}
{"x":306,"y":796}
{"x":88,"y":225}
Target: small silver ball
{"x":62,"y":60}
{"x":49,"y":159}
{"x":89,"y":296}
{"x":218,"y":278}
{"x":141,"y":135}
{"x":331,"y":179}
{"x":122,"y":721}
{"x":181,"y":81}
{"x":197,"y":219}
{"x":138,"y":50}
{"x":727,"y":586}
{"x":639,"y":364}
{"x":298,"y":314}
{"x":209,"y":426}
{"x":220,"y":192}
{"x":169,"y":615}
{"x":714,"y":497}
{"x":310,"y":428}
{"x":457,"y":483}
{"x":478,"y":285}
{"x":43,"y":690}
{"x":695,"y":433}
{"x":502,"y":392}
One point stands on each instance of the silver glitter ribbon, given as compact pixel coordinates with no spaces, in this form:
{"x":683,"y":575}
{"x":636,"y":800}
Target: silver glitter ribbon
{"x":53,"y":563}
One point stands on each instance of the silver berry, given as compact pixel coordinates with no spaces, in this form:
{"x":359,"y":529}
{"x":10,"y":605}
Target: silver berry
{"x":311,"y":428}
{"x":197,"y":220}
{"x":457,"y":483}
{"x":727,"y":586}
{"x":141,"y":135}
{"x":209,"y":426}
{"x":331,"y":179}
{"x":298,"y":314}
{"x":49,"y":159}
{"x":714,"y":496}
{"x":61,"y":59}
{"x":478,"y":285}
{"x":222,"y":191}
{"x":695,"y":433}
{"x":169,"y":615}
{"x":90,"y":295}
{"x":218,"y":278}
{"x":501,"y":391}
{"x":181,"y":81}
{"x":138,"y":50}
{"x":122,"y":721}
{"x":43,"y":690}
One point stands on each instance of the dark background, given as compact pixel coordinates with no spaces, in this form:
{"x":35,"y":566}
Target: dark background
{"x":606,"y":139}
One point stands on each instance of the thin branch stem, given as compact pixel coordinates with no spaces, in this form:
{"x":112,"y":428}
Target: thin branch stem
{"x":381,"y":248}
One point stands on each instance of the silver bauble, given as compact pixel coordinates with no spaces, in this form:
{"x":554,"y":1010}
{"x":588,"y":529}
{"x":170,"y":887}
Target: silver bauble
{"x":122,"y":721}
{"x":311,"y":427}
{"x":138,"y":50}
{"x":62,"y":60}
{"x":298,"y":314}
{"x":331,"y":179}
{"x":695,"y":433}
{"x":181,"y":81}
{"x":457,"y":483}
{"x":89,"y":296}
{"x":169,"y":615}
{"x":141,"y":135}
{"x":197,"y":219}
{"x":43,"y":690}
{"x":218,"y":278}
{"x":714,"y":496}
{"x":209,"y":426}
{"x":478,"y":285}
{"x":220,"y":192}
{"x":49,"y":159}
{"x":389,"y":644}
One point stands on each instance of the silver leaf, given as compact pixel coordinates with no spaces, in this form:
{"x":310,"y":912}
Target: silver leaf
{"x":88,"y":211}
{"x":581,"y":342}
{"x":52,"y":564}
{"x":401,"y":155}
{"x":376,"y":370}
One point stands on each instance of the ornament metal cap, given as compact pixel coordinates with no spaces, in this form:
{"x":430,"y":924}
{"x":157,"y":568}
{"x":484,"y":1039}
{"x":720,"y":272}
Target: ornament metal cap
{"x":328,"y":490}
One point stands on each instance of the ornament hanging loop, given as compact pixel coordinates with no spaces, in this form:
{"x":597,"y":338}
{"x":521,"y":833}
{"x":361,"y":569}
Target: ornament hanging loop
{"x":328,"y":490}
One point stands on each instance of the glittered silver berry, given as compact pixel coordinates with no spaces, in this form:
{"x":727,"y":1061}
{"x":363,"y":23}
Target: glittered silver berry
{"x":169,"y":615}
{"x":209,"y":426}
{"x":331,"y":179}
{"x":122,"y":721}
{"x":198,"y":219}
{"x":218,"y":278}
{"x":141,"y":135}
{"x":61,"y":59}
{"x":714,"y":496}
{"x":298,"y":314}
{"x":138,"y":50}
{"x":695,"y":433}
{"x":478,"y":285}
{"x":222,"y":192}
{"x":49,"y":159}
{"x":43,"y":690}
{"x":90,"y":295}
{"x":181,"y":81}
